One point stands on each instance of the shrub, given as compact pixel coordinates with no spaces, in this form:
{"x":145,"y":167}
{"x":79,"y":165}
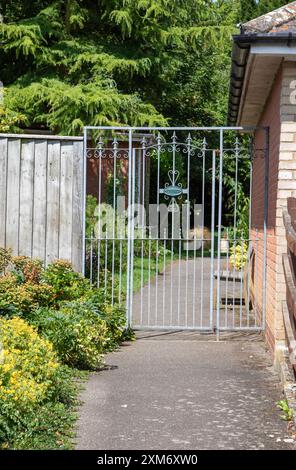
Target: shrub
{"x":28,"y":286}
{"x":78,"y":334}
{"x":67,"y":284}
{"x":72,"y":324}
{"x":29,"y":363}
{"x":118,"y":256}
{"x":28,"y":269}
{"x":239,"y":256}
{"x":90,"y":215}
{"x":5,"y":259}
{"x":36,"y":392}
{"x":148,"y":246}
{"x":114,"y":316}
{"x":27,"y":374}
{"x":46,"y":428}
{"x":117,"y":253}
{"x":16,"y":297}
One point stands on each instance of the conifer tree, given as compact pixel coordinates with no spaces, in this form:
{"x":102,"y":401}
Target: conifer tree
{"x":250,"y":9}
{"x":265,"y":6}
{"x":69,"y":63}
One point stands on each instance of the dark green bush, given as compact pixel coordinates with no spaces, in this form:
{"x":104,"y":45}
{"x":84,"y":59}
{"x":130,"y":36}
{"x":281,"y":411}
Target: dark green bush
{"x":114,"y":316}
{"x":78,"y":334}
{"x":79,"y":324}
{"x":66,"y":283}
{"x":46,"y":427}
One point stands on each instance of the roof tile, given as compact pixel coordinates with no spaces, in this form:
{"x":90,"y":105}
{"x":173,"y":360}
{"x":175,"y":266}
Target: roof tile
{"x":281,"y":20}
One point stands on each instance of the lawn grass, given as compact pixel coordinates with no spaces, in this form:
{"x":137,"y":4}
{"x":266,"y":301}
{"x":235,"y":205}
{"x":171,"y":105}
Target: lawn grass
{"x":143,"y":271}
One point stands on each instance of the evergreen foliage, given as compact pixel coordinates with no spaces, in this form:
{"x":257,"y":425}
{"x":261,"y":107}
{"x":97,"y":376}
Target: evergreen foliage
{"x":70,"y":63}
{"x":265,"y":6}
{"x":253,"y":8}
{"x":139,"y":62}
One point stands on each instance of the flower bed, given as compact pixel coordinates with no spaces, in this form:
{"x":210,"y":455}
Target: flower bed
{"x":53,"y":326}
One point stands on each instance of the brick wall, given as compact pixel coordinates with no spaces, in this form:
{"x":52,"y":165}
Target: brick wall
{"x":280,"y":116}
{"x":286,"y":182}
{"x":271,"y":119}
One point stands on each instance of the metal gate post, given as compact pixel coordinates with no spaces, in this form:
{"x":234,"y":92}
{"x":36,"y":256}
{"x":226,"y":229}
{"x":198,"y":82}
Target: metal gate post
{"x":84,"y":198}
{"x":219,"y":233}
{"x":213,"y":238}
{"x":133,"y":194}
{"x":129,"y":231}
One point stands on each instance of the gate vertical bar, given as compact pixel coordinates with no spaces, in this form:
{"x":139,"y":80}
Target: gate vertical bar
{"x":115,"y":149}
{"x":143,"y":221}
{"x":235,"y":239}
{"x":202,"y":233}
{"x":84,"y":199}
{"x":129,"y":232}
{"x":250,"y":240}
{"x":189,"y":140}
{"x":219,"y":233}
{"x":212,"y":238}
{"x":133,"y":152}
{"x":158,"y":140}
{"x":99,"y":234}
{"x":174,"y":143}
{"x":266,"y":188}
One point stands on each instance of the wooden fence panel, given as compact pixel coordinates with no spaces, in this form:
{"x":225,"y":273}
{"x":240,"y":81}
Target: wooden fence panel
{"x":77,"y":224}
{"x":40,"y":199}
{"x":41,"y":196}
{"x":53,"y":202}
{"x":13,"y":195}
{"x":66,"y":201}
{"x":26,"y":197}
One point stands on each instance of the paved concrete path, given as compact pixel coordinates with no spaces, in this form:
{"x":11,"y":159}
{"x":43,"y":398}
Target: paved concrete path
{"x":184,"y":391}
{"x":180,"y":296}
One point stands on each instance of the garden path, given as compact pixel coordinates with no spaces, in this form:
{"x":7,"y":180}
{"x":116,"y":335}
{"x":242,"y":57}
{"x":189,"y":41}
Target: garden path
{"x":179,"y":297}
{"x":184,"y":391}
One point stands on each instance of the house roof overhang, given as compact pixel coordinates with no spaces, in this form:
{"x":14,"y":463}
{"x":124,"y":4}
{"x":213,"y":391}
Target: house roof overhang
{"x":256,"y":59}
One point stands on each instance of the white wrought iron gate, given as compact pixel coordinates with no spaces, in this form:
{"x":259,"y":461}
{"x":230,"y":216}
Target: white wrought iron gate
{"x":170,"y":231}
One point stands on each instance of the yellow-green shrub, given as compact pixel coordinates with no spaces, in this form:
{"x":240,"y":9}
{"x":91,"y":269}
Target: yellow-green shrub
{"x":24,"y":297}
{"x":78,"y":334}
{"x":37,"y":394}
{"x":29,"y":366}
{"x":114,"y":316}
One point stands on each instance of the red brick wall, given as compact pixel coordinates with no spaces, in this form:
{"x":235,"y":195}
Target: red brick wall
{"x":270,"y":118}
{"x":100,"y":187}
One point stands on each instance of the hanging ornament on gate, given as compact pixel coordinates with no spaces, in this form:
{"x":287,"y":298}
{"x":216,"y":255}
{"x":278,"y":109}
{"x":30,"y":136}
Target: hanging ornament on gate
{"x":173,"y":190}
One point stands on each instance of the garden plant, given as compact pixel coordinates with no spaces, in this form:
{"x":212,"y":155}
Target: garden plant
{"x":54,"y":327}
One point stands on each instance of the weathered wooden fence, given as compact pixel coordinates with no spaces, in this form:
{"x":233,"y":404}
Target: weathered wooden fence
{"x":41,"y":196}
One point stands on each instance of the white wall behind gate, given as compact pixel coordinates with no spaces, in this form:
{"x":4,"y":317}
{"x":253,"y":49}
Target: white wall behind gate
{"x":41,"y":196}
